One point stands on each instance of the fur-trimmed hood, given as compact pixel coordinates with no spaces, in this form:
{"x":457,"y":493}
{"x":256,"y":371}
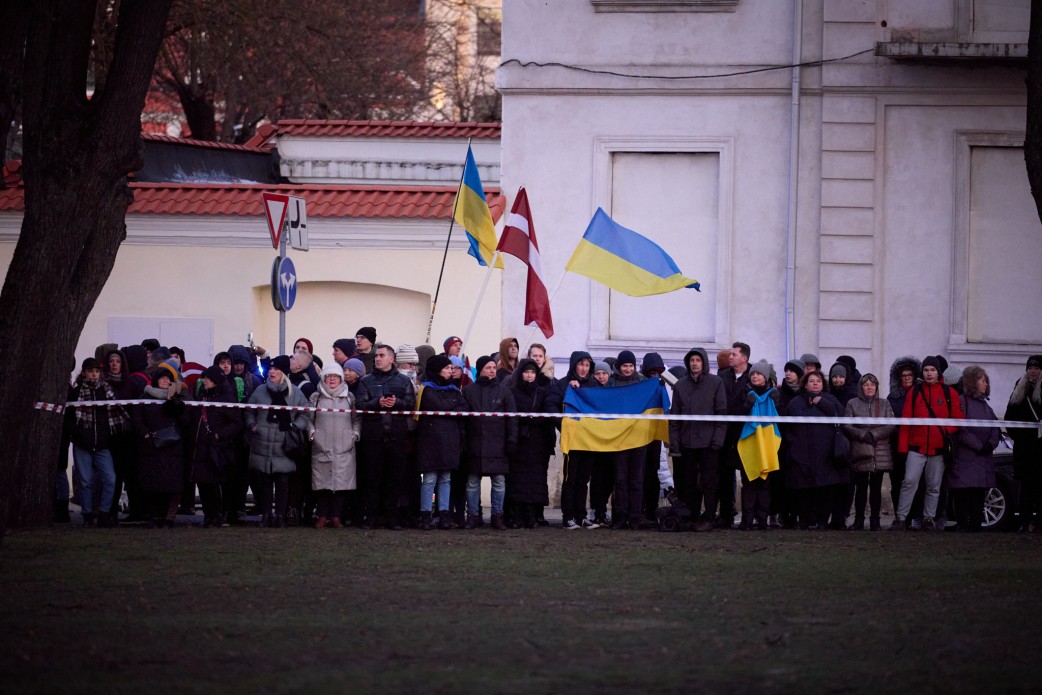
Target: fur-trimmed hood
{"x":895,"y":372}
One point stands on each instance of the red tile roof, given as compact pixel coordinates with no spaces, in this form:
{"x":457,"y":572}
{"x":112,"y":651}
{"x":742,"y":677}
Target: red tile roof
{"x":385,"y":202}
{"x":384,"y":129}
{"x":156,"y":137}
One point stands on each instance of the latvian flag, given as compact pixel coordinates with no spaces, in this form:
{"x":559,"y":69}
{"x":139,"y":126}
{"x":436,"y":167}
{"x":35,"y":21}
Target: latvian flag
{"x":518,"y":239}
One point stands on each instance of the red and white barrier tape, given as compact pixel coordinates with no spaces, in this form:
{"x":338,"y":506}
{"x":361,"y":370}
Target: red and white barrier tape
{"x":781,"y":419}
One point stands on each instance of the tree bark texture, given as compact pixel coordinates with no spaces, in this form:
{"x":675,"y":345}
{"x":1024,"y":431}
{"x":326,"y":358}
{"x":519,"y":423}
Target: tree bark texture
{"x":78,"y":152}
{"x":1033,"y":127}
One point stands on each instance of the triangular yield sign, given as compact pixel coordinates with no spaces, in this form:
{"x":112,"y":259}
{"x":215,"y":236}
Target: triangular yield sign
{"x":275,"y":205}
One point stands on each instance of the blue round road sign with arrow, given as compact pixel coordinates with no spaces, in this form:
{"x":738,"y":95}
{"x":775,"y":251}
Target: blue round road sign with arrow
{"x":286,"y":283}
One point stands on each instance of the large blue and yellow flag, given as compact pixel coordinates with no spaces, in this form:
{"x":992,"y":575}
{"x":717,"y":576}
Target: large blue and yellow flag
{"x":758,"y":445}
{"x":472,"y":213}
{"x":625,"y":261}
{"x":594,"y":434}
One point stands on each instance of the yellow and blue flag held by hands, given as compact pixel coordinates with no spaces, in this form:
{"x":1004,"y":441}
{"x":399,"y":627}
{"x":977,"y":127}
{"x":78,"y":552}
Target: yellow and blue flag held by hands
{"x":472,"y":213}
{"x":758,"y":445}
{"x":625,"y":261}
{"x":595,"y":434}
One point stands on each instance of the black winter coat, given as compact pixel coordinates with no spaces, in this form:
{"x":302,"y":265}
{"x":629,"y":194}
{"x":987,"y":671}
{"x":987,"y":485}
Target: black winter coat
{"x":489,"y":438}
{"x":440,"y":439}
{"x":536,"y":441}
{"x":160,"y":470}
{"x":811,"y":446}
{"x":212,"y":439}
{"x":371,"y":389}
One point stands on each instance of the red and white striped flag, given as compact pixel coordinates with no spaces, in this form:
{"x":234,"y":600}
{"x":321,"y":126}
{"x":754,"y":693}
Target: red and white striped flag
{"x":518,"y":239}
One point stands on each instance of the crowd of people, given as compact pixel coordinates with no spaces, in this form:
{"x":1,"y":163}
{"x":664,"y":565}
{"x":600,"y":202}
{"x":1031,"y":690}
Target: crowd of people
{"x":376,"y":457}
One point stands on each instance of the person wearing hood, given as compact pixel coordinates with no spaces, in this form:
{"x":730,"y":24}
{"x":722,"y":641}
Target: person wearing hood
{"x":578,"y":465}
{"x":627,"y":466}
{"x":811,"y":363}
{"x":930,"y":399}
{"x":698,"y":443}
{"x":243,"y":381}
{"x":904,"y":375}
{"x":507,"y":359}
{"x":244,"y":367}
{"x":756,"y":495}
{"x":333,"y":437}
{"x":489,"y":441}
{"x":382,"y":445}
{"x":212,"y":435}
{"x":972,"y":473}
{"x":424,"y":353}
{"x":162,"y":463}
{"x":1025,"y":405}
{"x":820,"y":487}
{"x":268,"y":430}
{"x":440,"y":440}
{"x":602,"y":468}
{"x":841,"y":388}
{"x":91,"y":430}
{"x":870,"y":454}
{"x":527,"y":493}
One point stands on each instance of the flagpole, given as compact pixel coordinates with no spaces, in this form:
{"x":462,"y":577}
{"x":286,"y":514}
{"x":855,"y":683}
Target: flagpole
{"x":477,"y":304}
{"x":550,"y":302}
{"x":445,"y":255}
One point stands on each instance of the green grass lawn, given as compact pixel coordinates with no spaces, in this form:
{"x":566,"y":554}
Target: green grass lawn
{"x":257,"y":610}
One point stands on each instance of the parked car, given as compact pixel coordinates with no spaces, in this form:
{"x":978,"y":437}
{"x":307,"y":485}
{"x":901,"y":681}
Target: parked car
{"x":1000,"y":503}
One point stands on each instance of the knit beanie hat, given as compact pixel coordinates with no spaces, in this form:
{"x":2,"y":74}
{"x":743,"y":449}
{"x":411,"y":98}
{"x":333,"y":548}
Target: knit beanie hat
{"x":1034,"y":361}
{"x":450,"y":340}
{"x":626,"y":357}
{"x":933,"y":361}
{"x":150,"y":343}
{"x":425,"y":352}
{"x":311,"y":347}
{"x":482,"y":361}
{"x":953,"y":374}
{"x":406,"y":354}
{"x":91,"y":363}
{"x":356,"y":366}
{"x":214,"y":374}
{"x":333,"y":368}
{"x":601,"y":367}
{"x":810,"y":358}
{"x":281,"y":363}
{"x":346,"y":345}
{"x":435,"y":364}
{"x":762,"y":367}
{"x":368,"y":331}
{"x":456,"y":361}
{"x":839,"y":369}
{"x":797,"y":366}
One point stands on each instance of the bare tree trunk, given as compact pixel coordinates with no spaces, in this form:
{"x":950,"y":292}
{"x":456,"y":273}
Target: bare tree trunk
{"x":1033,"y":127}
{"x":78,"y":152}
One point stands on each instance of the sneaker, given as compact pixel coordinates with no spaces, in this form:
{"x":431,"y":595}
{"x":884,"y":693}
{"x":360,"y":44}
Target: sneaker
{"x":916,"y":525}
{"x":897,"y":525}
{"x":927,"y":524}
{"x":570,"y":525}
{"x":589,"y":524}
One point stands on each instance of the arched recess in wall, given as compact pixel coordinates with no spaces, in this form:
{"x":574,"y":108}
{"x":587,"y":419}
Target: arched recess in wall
{"x":325,"y":311}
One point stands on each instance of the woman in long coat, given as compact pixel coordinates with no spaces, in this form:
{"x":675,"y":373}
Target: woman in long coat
{"x":488,"y":441}
{"x":212,"y":434}
{"x":527,"y":494}
{"x":973,"y":473}
{"x":870,"y":453}
{"x":439,"y":440}
{"x":334,"y":471}
{"x":268,"y":430}
{"x":818,"y":483}
{"x":161,"y":466}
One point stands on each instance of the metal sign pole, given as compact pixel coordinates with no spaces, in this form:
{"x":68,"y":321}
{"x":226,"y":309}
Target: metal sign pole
{"x":282,"y":312}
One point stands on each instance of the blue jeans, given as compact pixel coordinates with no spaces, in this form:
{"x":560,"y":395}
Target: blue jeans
{"x":499,"y":492}
{"x":442,"y":480}
{"x":87,"y":464}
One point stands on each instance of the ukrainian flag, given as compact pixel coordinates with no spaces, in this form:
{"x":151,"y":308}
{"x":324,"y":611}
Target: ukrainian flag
{"x":758,"y":445}
{"x":625,"y":261}
{"x":472,"y":213}
{"x":592,"y":434}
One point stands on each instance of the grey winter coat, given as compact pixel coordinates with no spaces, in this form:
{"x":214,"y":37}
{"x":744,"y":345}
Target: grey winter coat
{"x":333,"y":464}
{"x":705,"y":396}
{"x":973,"y":466}
{"x":869,"y":444}
{"x":267,"y":435}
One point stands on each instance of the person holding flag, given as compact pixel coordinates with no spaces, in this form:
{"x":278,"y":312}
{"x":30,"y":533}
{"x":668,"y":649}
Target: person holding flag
{"x":758,"y":446}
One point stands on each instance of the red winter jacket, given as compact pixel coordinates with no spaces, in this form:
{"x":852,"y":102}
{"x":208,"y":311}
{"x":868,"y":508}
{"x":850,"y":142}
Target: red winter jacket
{"x":927,"y":439}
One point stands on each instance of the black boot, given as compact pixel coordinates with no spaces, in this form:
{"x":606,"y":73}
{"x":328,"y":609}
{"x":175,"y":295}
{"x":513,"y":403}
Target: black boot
{"x":425,"y":521}
{"x":873,"y":524}
{"x":859,"y":523}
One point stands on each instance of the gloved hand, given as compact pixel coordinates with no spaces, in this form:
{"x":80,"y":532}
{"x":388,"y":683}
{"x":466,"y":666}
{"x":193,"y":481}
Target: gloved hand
{"x":750,"y":400}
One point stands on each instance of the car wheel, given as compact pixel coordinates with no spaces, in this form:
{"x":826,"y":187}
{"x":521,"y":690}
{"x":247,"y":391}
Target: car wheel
{"x":998,"y":510}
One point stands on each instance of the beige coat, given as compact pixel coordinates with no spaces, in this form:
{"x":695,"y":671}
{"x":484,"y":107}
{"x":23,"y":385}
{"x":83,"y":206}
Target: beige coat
{"x":869,"y":453}
{"x":333,"y":461}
